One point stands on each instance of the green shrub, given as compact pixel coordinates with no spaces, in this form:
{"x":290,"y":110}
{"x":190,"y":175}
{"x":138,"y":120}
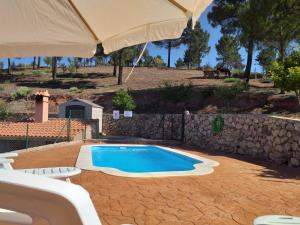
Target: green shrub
{"x":176,"y":93}
{"x":279,"y":74}
{"x":75,"y":90}
{"x":284,"y":73}
{"x":72,"y":69}
{"x":54,"y":82}
{"x":4,"y":112}
{"x":84,"y":75}
{"x":70,"y":79}
{"x":87,"y":86}
{"x":232,"y":80}
{"x":230,"y":92}
{"x":208,"y":91}
{"x":21,"y":92}
{"x":123,"y":101}
{"x":293,"y":81}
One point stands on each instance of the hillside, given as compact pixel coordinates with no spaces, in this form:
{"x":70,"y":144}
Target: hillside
{"x":98,"y":85}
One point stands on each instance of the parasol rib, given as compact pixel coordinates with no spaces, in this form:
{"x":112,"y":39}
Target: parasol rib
{"x":83,"y":20}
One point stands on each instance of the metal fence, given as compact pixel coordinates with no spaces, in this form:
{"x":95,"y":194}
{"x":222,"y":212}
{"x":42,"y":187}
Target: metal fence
{"x":29,"y":135}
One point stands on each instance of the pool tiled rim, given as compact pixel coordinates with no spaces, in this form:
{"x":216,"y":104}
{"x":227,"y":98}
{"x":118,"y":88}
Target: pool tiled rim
{"x":84,"y":161}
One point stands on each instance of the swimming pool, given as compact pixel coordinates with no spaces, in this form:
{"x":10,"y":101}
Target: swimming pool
{"x":142,"y":161}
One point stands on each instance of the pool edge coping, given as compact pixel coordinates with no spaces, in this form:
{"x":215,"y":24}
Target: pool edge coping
{"x":84,"y":161}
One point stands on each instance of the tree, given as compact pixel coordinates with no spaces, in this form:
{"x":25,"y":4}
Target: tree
{"x":196,"y":41}
{"x":179,"y":63}
{"x":282,"y":26}
{"x":48,"y":61}
{"x":266,"y":57}
{"x":158,"y":61}
{"x":120,"y":61}
{"x":34,"y":63}
{"x":39,"y":63}
{"x":9,"y":66}
{"x":169,"y":44}
{"x":228,"y":52}
{"x":54,"y":67}
{"x":243,"y":19}
{"x":285,"y":73}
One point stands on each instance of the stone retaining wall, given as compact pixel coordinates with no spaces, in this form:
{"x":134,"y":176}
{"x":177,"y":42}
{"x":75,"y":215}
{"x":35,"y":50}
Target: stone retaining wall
{"x":150,"y":126}
{"x":272,"y":138}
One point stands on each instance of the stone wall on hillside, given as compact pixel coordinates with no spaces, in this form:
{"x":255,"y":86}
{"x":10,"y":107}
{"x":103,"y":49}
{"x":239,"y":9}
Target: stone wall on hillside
{"x":262,"y":136}
{"x":151,"y":126}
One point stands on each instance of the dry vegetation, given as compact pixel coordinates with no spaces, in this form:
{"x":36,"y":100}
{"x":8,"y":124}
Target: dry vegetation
{"x":98,"y":84}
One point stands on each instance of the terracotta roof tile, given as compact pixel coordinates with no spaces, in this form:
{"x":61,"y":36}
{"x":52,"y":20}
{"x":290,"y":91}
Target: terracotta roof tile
{"x":50,"y":129}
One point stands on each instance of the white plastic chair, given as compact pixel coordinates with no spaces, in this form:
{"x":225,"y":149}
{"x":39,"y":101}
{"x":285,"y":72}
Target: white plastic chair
{"x":52,"y":172}
{"x":276,"y":220}
{"x":56,"y":201}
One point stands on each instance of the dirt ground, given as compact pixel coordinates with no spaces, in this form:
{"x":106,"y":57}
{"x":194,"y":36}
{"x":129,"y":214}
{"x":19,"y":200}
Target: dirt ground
{"x":98,"y":85}
{"x":239,"y":190}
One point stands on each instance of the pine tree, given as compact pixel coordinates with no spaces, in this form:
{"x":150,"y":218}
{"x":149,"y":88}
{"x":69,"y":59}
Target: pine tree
{"x":169,"y":44}
{"x":196,"y":41}
{"x":228,"y":52}
{"x":244,"y":19}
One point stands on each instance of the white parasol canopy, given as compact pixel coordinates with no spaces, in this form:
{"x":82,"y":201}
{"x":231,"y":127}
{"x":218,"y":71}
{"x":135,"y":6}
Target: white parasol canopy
{"x":75,"y":27}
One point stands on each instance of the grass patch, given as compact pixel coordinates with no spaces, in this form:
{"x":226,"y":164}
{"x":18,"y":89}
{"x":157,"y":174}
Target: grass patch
{"x":229,"y":92}
{"x":21,"y":92}
{"x":176,"y":93}
{"x":232,"y":80}
{"x":75,"y":90}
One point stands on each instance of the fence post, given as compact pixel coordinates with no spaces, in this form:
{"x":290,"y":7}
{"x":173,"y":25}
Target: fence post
{"x":185,"y":113}
{"x":27,"y":136}
{"x":69,"y":128}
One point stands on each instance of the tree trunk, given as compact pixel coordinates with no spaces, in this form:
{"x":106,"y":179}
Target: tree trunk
{"x":9,"y":69}
{"x":39,"y":63}
{"x":120,"y":77}
{"x":115,"y":66}
{"x":34,"y":63}
{"x":54,"y":67}
{"x":250,"y":50}
{"x":169,"y":53}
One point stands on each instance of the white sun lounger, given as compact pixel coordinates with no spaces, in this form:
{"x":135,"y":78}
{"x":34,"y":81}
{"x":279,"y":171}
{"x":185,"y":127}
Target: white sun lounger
{"x":52,"y":172}
{"x":8,"y":216}
{"x":276,"y":220}
{"x":56,"y":201}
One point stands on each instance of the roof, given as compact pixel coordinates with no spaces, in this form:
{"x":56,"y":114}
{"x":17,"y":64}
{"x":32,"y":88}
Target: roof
{"x":83,"y":101}
{"x":50,"y":129}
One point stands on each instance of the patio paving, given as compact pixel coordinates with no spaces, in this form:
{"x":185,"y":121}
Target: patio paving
{"x":239,"y":190}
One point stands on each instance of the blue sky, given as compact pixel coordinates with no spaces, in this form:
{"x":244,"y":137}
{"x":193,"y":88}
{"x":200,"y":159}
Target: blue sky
{"x":210,"y":59}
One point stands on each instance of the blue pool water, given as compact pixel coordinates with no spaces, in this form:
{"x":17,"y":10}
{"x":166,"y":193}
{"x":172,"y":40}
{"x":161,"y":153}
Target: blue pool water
{"x":139,"y":159}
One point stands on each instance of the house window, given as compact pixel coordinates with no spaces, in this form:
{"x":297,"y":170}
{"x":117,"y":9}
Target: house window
{"x":75,"y":111}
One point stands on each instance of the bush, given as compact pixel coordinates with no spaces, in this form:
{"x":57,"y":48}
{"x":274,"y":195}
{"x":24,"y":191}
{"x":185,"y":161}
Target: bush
{"x":176,"y":93}
{"x":284,"y":73}
{"x":4,"y":113}
{"x":293,"y":81}
{"x":21,"y":92}
{"x":75,"y":90}
{"x":230,"y":92}
{"x":72,"y":69}
{"x":54,"y":83}
{"x":232,"y":80}
{"x":123,"y":101}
